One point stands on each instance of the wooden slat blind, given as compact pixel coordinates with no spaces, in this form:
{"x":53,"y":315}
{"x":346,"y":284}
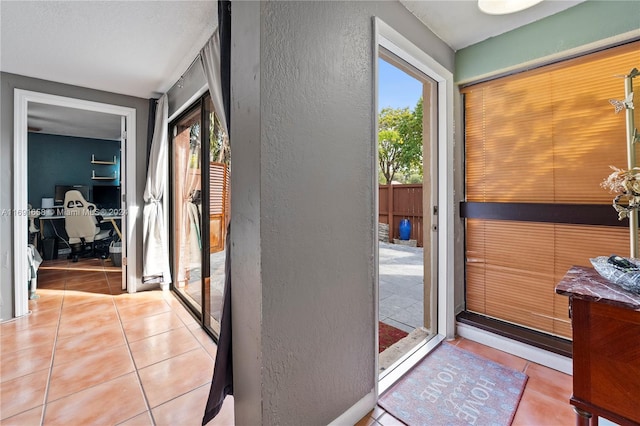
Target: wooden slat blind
{"x":542,"y":136}
{"x":548,"y":135}
{"x":513,"y":267}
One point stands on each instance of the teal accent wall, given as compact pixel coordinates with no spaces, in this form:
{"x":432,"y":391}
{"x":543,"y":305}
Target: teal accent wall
{"x":585,"y":23}
{"x":65,"y":160}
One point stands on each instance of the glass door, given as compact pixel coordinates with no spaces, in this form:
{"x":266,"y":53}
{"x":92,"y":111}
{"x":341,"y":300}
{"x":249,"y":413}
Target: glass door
{"x":186,"y":191}
{"x":407,"y":195}
{"x":199,"y":211}
{"x":219,"y":202}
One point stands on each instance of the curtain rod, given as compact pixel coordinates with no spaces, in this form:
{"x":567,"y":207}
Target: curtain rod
{"x":180,"y":82}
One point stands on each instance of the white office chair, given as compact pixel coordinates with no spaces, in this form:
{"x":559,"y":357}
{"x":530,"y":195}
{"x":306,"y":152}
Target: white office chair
{"x":81,"y":224}
{"x":33,"y":229}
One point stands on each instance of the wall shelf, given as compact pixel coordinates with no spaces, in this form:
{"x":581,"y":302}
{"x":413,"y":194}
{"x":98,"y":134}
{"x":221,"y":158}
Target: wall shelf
{"x":94,"y":177}
{"x":110,"y":163}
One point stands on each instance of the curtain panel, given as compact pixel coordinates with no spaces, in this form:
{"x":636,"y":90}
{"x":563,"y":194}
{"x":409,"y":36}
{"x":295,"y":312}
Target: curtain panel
{"x":155,"y":244}
{"x":210,"y":60}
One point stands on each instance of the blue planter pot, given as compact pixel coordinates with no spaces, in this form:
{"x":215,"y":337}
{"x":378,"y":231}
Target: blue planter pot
{"x":405,"y":229}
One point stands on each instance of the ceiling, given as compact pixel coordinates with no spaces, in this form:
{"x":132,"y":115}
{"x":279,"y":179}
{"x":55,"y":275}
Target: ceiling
{"x":57,"y":120}
{"x":136,"y":48}
{"x":459,"y":23}
{"x":141,"y":48}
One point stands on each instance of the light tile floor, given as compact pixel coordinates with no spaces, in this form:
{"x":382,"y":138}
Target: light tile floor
{"x":89,"y":354}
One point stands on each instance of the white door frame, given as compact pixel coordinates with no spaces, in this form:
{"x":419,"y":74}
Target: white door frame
{"x":22,"y":99}
{"x":397,"y":44}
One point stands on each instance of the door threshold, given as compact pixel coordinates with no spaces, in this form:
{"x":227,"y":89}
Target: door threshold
{"x":398,"y":369}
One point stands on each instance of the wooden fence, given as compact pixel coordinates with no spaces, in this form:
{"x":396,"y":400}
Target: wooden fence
{"x":219,"y":205}
{"x":397,"y":202}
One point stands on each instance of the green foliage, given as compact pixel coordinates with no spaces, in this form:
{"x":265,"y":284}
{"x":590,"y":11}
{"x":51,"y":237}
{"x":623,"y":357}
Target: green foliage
{"x":400,"y":143}
{"x":218,"y":142}
{"x":413,"y":178}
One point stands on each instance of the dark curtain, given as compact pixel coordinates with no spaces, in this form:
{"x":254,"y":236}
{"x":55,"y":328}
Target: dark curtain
{"x":150,"y":127}
{"x":224,"y":22}
{"x":222,"y":381}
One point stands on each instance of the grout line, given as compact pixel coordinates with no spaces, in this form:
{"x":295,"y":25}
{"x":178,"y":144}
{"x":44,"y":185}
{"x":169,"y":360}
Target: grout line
{"x":53,"y":351}
{"x":133,"y":361}
{"x":68,"y":272}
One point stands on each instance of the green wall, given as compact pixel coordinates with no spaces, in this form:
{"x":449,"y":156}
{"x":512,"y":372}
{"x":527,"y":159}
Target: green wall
{"x":580,"y":25}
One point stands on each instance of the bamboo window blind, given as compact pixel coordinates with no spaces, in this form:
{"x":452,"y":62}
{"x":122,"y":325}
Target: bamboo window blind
{"x":543,"y":136}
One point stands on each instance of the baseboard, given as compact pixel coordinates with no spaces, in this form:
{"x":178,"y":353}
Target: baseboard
{"x":528,"y":352}
{"x":357,"y":411}
{"x":544,"y":341}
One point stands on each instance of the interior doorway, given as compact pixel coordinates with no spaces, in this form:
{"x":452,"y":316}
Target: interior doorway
{"x":125,"y":118}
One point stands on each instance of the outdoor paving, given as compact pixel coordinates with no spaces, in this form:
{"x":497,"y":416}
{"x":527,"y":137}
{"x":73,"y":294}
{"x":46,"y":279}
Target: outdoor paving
{"x":401,"y":286}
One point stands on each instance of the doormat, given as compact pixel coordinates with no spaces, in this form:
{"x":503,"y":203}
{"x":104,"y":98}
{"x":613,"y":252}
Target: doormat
{"x":388,"y":335}
{"x":451,"y":386}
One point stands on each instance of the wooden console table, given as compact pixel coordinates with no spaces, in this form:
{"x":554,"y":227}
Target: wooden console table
{"x":606,"y":348}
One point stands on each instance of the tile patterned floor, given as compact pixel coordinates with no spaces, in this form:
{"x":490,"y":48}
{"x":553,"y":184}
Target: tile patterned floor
{"x":545,"y":401}
{"x":91,"y":355}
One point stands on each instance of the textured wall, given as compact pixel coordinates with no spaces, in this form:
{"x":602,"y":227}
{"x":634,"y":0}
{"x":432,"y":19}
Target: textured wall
{"x":585,"y":23}
{"x":8,"y":83}
{"x":302,"y":132}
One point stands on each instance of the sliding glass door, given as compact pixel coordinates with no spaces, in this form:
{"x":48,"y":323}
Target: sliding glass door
{"x":199,"y":211}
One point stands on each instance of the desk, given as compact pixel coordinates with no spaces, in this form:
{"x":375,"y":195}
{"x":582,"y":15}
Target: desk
{"x":113,"y":219}
{"x":109,"y":217}
{"x":606,"y":349}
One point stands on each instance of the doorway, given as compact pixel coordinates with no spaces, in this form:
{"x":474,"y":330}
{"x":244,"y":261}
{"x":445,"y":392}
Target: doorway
{"x":26,"y":101}
{"x":437,"y":200}
{"x":408,"y":194}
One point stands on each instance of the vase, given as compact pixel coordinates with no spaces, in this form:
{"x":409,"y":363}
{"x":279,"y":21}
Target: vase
{"x":405,"y":229}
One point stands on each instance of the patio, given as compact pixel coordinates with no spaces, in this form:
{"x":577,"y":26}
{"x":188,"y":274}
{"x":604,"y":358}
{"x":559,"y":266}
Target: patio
{"x":401,"y":286}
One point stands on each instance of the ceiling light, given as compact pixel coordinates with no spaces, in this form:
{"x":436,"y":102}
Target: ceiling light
{"x":503,"y":7}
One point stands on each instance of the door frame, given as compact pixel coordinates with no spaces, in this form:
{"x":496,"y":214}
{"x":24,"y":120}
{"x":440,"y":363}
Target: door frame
{"x":22,"y":99}
{"x":390,"y":39}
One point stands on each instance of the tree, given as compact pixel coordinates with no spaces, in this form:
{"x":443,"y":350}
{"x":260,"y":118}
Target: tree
{"x":400,"y":142}
{"x":219,"y":149}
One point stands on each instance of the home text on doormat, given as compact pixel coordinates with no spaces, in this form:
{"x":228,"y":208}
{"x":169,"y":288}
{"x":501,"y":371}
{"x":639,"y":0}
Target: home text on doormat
{"x":454,"y":387}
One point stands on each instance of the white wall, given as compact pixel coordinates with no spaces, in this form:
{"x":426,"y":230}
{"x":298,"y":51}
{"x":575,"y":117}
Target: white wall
{"x":303,"y":217}
{"x":8,"y":83}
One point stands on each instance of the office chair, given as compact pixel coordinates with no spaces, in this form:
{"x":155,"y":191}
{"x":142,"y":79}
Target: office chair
{"x":33,"y":229}
{"x":82,"y":225}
